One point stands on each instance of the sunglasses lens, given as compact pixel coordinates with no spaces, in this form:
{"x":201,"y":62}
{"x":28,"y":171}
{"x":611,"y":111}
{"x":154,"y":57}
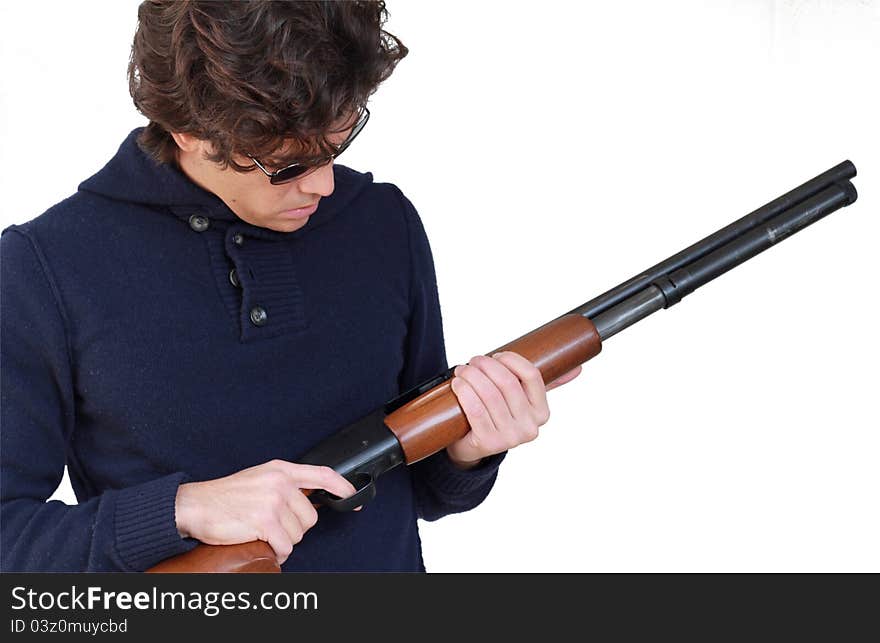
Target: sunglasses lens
{"x":301,"y":169}
{"x":289,"y":174}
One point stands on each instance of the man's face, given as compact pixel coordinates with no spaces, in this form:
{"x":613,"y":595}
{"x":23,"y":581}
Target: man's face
{"x":255,"y":200}
{"x":249,"y":194}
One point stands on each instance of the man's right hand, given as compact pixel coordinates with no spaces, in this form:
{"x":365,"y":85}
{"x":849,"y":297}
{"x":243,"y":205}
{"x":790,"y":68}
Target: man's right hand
{"x":265,"y":502}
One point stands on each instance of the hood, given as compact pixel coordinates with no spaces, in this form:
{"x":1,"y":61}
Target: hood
{"x":132,"y":176}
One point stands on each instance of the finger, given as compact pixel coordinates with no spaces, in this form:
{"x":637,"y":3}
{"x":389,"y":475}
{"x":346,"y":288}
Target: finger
{"x":518,"y":403}
{"x":564,"y":379}
{"x":308,"y":476}
{"x":528,"y":374}
{"x":279,"y":541}
{"x":483,"y":433}
{"x":303,"y":509}
{"x":292,"y":524}
{"x":492,"y":398}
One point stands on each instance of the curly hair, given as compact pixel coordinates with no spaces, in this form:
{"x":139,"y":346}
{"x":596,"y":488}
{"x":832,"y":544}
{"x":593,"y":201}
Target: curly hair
{"x":249,"y":76}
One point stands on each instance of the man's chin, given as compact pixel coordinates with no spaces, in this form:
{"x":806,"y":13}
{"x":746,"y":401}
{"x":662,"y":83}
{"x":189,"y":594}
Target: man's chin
{"x":288,"y":224}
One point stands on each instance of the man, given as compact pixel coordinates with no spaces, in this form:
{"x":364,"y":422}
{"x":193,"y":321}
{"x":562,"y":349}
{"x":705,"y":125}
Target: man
{"x":219,"y":298}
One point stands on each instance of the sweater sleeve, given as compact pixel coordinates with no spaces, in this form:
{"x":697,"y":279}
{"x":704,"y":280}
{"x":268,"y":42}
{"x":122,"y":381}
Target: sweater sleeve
{"x":127,"y":529}
{"x":441,"y":488}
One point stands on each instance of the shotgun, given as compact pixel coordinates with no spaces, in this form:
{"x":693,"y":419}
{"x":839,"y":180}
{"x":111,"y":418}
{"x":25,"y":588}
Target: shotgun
{"x":427,"y":418}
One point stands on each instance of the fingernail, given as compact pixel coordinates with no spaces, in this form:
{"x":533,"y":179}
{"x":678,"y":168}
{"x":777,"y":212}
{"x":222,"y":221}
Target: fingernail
{"x":497,"y":354}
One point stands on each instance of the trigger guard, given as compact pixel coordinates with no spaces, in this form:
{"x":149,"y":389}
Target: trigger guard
{"x":366,"y":491}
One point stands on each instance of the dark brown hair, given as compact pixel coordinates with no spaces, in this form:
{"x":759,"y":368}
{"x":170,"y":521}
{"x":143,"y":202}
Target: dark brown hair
{"x":247,"y":76}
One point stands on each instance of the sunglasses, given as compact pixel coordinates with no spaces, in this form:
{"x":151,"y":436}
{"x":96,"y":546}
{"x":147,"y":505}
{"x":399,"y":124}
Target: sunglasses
{"x":298,"y":170}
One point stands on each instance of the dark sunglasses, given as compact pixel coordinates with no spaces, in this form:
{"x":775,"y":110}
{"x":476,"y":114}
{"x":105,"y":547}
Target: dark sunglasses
{"x":298,"y":170}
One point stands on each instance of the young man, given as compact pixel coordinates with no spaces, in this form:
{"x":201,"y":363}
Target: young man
{"x":219,"y":298}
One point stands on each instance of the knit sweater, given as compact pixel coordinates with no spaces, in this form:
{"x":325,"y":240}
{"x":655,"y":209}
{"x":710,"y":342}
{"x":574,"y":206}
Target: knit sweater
{"x":132,"y":353}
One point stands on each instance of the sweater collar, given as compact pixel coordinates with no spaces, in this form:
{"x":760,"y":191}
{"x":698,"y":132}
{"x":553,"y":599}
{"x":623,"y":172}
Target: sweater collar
{"x":133,"y":176}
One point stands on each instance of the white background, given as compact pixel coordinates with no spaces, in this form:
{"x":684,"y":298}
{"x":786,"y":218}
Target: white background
{"x":553,"y":150}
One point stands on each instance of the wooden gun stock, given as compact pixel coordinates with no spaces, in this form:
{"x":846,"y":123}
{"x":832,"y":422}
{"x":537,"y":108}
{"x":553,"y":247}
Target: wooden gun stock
{"x":254,"y":557}
{"x":423,"y":426}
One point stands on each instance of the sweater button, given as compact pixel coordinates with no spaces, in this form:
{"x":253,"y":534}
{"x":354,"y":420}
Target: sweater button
{"x":233,"y":278}
{"x":237,"y":239}
{"x":258,"y":315}
{"x":199,"y":223}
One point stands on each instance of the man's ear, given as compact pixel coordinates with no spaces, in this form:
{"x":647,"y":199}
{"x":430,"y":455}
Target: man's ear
{"x":187,"y":142}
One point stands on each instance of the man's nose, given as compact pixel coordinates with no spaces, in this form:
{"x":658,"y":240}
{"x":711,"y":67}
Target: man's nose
{"x":319,"y":181}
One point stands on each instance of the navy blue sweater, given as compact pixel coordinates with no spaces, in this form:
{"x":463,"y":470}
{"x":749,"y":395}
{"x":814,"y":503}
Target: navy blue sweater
{"x":131,"y":356}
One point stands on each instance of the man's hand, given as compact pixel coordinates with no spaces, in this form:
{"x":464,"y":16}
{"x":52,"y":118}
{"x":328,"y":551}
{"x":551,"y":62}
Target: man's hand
{"x":504,"y":400}
{"x":264,"y":502}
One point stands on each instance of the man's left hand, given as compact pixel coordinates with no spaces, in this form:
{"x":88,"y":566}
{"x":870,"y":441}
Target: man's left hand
{"x":505,"y":401}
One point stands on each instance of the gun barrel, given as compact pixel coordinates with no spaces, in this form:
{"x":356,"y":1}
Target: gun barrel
{"x":668,"y":289}
{"x":605,"y":301}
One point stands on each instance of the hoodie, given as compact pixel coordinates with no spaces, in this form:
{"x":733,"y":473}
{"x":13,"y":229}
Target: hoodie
{"x":150,"y":338}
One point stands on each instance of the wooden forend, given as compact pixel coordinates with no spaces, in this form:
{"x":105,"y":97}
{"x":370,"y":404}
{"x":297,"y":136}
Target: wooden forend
{"x":434,"y":420}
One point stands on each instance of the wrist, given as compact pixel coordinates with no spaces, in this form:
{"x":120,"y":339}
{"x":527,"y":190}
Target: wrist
{"x":184,"y":508}
{"x":460,"y":463}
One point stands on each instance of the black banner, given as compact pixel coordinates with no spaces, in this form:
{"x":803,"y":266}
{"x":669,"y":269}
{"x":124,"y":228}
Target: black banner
{"x":390,"y":605}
